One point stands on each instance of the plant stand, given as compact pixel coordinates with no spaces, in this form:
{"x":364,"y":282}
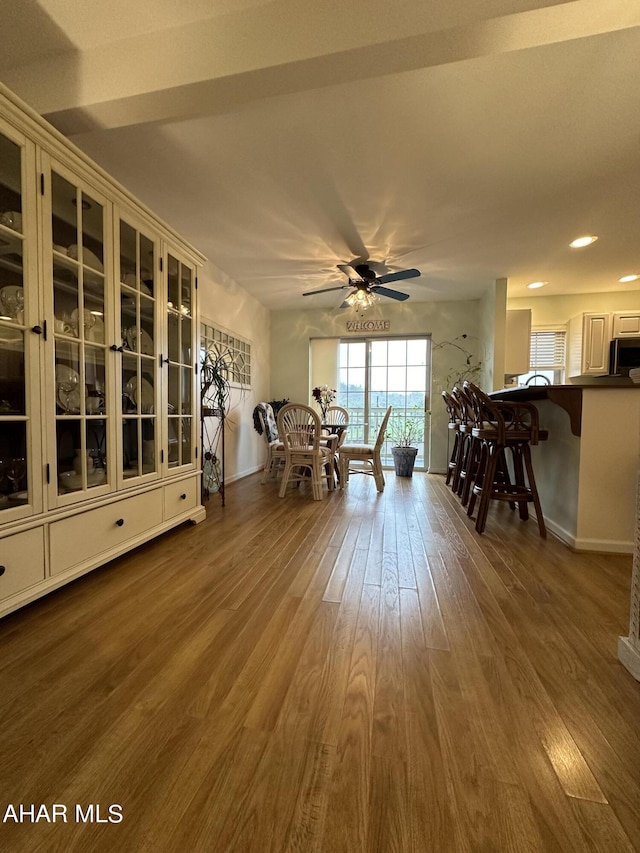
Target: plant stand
{"x":404,"y":458}
{"x":212,"y":452}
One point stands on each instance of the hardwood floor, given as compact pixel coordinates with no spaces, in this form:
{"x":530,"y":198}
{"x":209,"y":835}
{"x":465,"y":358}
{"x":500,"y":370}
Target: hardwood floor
{"x":361,"y":674}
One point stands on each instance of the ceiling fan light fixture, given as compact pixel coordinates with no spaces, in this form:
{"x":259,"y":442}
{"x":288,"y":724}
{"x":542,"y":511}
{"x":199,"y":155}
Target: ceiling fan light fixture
{"x":362,"y":299}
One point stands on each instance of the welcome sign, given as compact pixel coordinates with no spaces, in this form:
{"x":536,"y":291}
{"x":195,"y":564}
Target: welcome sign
{"x":368,"y":325}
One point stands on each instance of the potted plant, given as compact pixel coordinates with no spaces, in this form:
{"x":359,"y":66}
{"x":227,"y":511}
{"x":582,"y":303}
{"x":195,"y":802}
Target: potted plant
{"x":405,"y":432}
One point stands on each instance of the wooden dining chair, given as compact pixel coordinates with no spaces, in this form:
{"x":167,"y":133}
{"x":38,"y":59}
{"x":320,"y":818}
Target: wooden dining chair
{"x":308,"y":454}
{"x":364,"y":458}
{"x":275,"y":447}
{"x":338,"y":416}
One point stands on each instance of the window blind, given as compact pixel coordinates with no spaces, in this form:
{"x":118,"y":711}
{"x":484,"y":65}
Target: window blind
{"x":547,"y":350}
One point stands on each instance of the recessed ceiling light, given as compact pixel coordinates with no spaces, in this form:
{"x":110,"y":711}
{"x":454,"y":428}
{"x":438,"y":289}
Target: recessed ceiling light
{"x":535,"y":284}
{"x":579,"y":242}
{"x":626,"y":278}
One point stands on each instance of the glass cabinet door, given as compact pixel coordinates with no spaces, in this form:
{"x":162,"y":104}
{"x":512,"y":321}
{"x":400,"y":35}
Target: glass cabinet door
{"x":20,"y":458}
{"x":140,"y":442}
{"x":78,"y":219}
{"x":179,"y":360}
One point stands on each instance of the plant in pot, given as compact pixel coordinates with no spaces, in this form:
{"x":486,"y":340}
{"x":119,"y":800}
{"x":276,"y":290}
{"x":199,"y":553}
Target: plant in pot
{"x":405,"y":432}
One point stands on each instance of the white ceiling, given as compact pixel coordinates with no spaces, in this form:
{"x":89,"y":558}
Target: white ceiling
{"x":472,"y":140}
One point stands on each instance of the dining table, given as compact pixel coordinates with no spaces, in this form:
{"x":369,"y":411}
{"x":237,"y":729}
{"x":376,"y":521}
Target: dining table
{"x":338,"y":430}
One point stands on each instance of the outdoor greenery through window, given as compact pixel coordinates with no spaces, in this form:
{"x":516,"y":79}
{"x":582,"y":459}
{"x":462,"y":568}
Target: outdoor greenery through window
{"x":377,"y":373}
{"x":547,"y":356}
{"x":237,"y":353}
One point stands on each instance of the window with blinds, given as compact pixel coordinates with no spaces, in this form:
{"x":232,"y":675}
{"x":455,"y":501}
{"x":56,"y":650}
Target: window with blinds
{"x":547,"y":350}
{"x":547,"y":357}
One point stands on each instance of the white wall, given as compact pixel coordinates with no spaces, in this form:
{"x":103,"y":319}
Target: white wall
{"x":291,"y":332}
{"x":227,"y":305}
{"x":557,"y":310}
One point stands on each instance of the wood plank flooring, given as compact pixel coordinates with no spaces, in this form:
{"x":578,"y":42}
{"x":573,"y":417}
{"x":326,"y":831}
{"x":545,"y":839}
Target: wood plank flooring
{"x":364,"y":673}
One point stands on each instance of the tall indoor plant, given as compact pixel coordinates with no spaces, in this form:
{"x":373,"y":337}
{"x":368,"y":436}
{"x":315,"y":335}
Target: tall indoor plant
{"x":406,"y":431}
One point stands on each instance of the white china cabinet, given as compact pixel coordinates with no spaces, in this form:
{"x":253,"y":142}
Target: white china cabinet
{"x":99,"y":418}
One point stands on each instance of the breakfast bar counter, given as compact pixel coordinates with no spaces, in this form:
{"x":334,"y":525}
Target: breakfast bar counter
{"x":587,"y":470}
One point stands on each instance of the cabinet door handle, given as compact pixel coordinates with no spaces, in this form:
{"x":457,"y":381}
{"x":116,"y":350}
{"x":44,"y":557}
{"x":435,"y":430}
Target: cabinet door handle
{"x":37,"y":330}
{"x":2,"y":570}
{"x":120,"y":522}
{"x":116,"y":348}
{"x":183,"y":497}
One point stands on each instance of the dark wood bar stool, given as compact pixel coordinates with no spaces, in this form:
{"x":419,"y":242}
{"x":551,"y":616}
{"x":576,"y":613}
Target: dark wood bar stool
{"x":501,"y":427}
{"x":455,"y":419}
{"x":469,"y":448}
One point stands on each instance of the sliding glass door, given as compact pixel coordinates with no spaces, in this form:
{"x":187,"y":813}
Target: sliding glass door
{"x":379,"y":372}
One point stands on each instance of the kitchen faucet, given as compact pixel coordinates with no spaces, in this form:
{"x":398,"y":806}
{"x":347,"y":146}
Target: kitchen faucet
{"x":538,"y":376}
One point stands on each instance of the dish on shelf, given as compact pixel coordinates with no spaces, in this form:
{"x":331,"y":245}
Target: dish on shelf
{"x":146,"y":341}
{"x":12,"y":219}
{"x":96,"y":332}
{"x":88,"y":320}
{"x":4,"y":501}
{"x":88,"y":258}
{"x":11,"y":300}
{"x":72,"y":482}
{"x":19,"y":497}
{"x":68,"y":388}
{"x":634,"y":375}
{"x":142,"y":394}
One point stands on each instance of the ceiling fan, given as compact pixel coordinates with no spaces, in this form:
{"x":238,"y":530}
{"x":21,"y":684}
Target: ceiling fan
{"x":367,"y":285}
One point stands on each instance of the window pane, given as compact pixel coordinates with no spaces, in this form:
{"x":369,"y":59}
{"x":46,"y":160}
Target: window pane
{"x":378,"y":353}
{"x":397,"y":352}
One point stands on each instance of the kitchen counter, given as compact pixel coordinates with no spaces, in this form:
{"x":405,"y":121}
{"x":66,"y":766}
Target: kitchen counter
{"x":587,"y":470}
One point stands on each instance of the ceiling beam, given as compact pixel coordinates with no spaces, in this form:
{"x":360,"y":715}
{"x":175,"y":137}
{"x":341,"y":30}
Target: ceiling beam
{"x":216,"y":66}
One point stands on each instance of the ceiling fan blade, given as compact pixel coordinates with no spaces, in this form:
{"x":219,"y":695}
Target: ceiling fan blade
{"x":397,"y":276}
{"x":392,"y":294}
{"x":326,"y":290}
{"x":349,"y":271}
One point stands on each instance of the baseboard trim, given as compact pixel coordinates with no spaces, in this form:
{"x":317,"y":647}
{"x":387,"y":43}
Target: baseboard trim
{"x":604,"y":546}
{"x":629,"y":656}
{"x":242,"y":474}
{"x":597,"y":546}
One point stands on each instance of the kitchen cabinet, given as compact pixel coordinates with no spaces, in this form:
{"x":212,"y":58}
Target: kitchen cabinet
{"x":626,"y":324}
{"x":588,"y":346}
{"x":99,"y":417}
{"x":517,"y":353}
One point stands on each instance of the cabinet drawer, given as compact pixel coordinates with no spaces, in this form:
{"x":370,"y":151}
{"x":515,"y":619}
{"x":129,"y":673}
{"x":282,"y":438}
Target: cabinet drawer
{"x":180,"y":497}
{"x":21,"y":561}
{"x":77,"y":539}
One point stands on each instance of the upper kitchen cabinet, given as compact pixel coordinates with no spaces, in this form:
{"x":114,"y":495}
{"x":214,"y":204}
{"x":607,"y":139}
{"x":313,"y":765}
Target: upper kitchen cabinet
{"x":588,"y":350}
{"x":517,"y":350}
{"x":626,"y":324}
{"x":99,"y":414}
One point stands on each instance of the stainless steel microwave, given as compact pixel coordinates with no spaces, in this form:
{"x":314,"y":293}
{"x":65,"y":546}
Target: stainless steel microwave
{"x":624,"y":354}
